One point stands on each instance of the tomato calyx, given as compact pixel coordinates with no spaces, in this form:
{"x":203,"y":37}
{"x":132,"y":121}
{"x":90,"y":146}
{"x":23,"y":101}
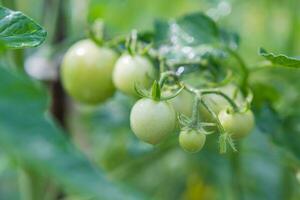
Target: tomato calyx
{"x":131,"y":43}
{"x":96,"y":31}
{"x":155,"y":93}
{"x":225,"y":139}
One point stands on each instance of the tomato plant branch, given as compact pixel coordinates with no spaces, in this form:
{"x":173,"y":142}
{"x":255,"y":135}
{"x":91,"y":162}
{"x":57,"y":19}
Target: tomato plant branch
{"x":195,"y":113}
{"x":243,"y":67}
{"x":236,"y":181}
{"x":168,"y":74}
{"x":226,"y":97}
{"x":213,"y":114}
{"x":200,"y":92}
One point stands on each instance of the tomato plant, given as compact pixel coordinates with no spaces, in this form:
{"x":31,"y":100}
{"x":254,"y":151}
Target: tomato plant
{"x":100,"y":104}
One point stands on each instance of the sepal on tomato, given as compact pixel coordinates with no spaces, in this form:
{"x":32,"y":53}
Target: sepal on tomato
{"x":225,"y":139}
{"x":155,"y":91}
{"x":141,"y":92}
{"x":96,"y":31}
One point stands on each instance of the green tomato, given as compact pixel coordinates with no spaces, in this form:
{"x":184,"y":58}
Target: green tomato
{"x":86,"y":72}
{"x":191,"y":140}
{"x":183,"y":103}
{"x":152,"y":121}
{"x":238,"y":125}
{"x":130,"y":70}
{"x":218,"y":103}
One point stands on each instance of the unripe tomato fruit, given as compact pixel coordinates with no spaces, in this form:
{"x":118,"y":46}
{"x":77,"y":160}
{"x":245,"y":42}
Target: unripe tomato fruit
{"x":238,"y":125}
{"x":86,"y":72}
{"x":130,"y":70}
{"x":191,"y":140}
{"x":183,"y":103}
{"x":152,"y":121}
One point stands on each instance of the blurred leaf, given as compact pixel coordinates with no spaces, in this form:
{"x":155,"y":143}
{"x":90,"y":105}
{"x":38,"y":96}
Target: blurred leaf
{"x":283,"y":132}
{"x":281,"y":60}
{"x":18,"y":30}
{"x":260,"y":169}
{"x":291,"y":134}
{"x":230,"y":39}
{"x":267,"y":119}
{"x":191,"y":38}
{"x":146,"y":36}
{"x":187,"y":39}
{"x":189,"y":30}
{"x":26,"y":135}
{"x":269,"y":94}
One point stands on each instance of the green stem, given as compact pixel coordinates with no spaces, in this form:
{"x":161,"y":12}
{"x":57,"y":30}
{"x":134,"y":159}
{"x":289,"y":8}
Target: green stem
{"x":236,"y":169}
{"x":213,"y":114}
{"x":165,"y":75}
{"x":50,"y":12}
{"x":226,"y":97}
{"x":243,"y":67}
{"x":31,"y":186}
{"x":161,"y":66}
{"x":294,"y":26}
{"x":134,"y":41}
{"x":195,"y":113}
{"x":115,"y":41}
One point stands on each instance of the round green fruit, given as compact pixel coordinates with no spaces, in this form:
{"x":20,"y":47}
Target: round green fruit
{"x":238,"y":125}
{"x":130,"y":70}
{"x":152,"y":121}
{"x":86,"y":72}
{"x":191,"y":140}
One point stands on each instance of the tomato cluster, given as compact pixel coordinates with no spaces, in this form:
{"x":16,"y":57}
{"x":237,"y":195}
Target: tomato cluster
{"x":91,"y":74}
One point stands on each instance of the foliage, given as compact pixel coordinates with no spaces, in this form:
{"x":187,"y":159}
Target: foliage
{"x":19,"y":31}
{"x":98,"y":154}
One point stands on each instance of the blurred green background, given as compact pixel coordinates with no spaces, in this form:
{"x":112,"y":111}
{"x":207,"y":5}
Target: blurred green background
{"x":267,"y":165}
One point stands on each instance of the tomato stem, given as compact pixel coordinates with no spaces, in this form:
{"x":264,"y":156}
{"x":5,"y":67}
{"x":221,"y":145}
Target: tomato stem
{"x":213,"y":114}
{"x":195,"y":113}
{"x":243,"y":67}
{"x":226,"y":97}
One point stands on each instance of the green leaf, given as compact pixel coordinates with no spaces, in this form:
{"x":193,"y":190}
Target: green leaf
{"x":283,"y":131}
{"x":19,"y":31}
{"x":280,"y":59}
{"x":189,"y":30}
{"x":230,"y":39}
{"x":28,"y":134}
{"x":262,"y":164}
{"x":191,"y":38}
{"x":188,"y":38}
